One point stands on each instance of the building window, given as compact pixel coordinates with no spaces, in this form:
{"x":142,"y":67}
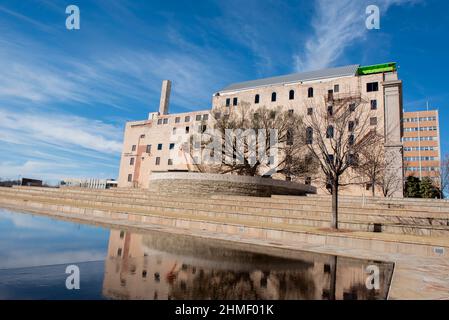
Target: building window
{"x":373,"y":104}
{"x":373,"y":121}
{"x":119,"y":252}
{"x":289,"y":138}
{"x":165,"y":120}
{"x":352,"y":159}
{"x":131,"y":161}
{"x":352,"y":107}
{"x":198,"y":117}
{"x":291,"y":111}
{"x":330,"y":158}
{"x":170,"y":162}
{"x":372,"y":86}
{"x":330,"y":111}
{"x":291,"y":94}
{"x":256,"y":99}
{"x":336,"y":88}
{"x":351,"y":126}
{"x":159,"y":121}
{"x":205,"y":117}
{"x":187,"y":129}
{"x":174,"y":131}
{"x":310,"y":92}
{"x":130,"y":177}
{"x":309,"y":135}
{"x":308,"y":181}
{"x":273,"y":97}
{"x":330,"y":132}
{"x":133,"y":148}
{"x":142,"y":136}
{"x":309,"y":111}
{"x":351,"y":140}
{"x":203,"y":128}
{"x":177,"y":119}
{"x":228,"y":102}
{"x":148,"y":148}
{"x":172,"y":146}
{"x":158,"y":161}
{"x":235,"y":101}
{"x":159,"y":146}
{"x":187,"y":119}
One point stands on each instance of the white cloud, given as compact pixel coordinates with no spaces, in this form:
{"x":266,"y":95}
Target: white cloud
{"x":63,"y":130}
{"x":337,"y":25}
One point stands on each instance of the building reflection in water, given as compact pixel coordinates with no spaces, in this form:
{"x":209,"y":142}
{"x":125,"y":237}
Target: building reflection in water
{"x":165,"y":266}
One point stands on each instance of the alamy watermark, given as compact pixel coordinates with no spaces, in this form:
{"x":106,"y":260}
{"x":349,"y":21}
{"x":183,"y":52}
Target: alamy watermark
{"x":373,"y":279}
{"x":73,"y":21}
{"x":72,"y":282}
{"x":373,"y":19}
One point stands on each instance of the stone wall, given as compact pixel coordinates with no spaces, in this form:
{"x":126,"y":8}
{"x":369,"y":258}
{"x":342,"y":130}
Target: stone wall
{"x":207,"y":183}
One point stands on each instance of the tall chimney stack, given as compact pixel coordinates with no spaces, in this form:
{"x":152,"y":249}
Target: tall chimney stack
{"x":165,"y":97}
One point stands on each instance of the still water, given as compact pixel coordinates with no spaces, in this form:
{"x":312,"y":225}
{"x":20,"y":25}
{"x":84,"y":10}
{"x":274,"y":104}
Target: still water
{"x":120,"y":264}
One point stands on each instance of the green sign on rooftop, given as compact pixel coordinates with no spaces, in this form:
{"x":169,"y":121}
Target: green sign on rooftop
{"x":377,"y":68}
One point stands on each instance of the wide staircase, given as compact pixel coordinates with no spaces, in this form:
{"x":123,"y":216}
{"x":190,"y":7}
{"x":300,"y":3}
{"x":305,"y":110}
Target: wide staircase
{"x":408,"y":219}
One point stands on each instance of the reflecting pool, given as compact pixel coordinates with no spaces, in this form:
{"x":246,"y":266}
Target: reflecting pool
{"x":124,"y":264}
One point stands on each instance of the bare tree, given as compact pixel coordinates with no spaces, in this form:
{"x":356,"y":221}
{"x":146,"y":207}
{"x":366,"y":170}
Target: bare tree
{"x":253,"y":142}
{"x":375,"y":167}
{"x":336,"y":136}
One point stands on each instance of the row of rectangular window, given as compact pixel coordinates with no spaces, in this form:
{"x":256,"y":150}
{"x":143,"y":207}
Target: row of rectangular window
{"x":420,"y":148}
{"x":434,"y":118}
{"x":371,"y":87}
{"x":419,"y":139}
{"x":201,"y":128}
{"x":425,"y":158}
{"x":433,"y":128}
{"x":422,"y":169}
{"x":198,"y":117}
{"x":157,"y":161}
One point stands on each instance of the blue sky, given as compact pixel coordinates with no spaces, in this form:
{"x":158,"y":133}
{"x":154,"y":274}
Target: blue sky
{"x":65,"y":95}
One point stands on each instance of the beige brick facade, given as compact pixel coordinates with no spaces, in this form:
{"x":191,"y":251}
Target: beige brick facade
{"x":293,"y":95}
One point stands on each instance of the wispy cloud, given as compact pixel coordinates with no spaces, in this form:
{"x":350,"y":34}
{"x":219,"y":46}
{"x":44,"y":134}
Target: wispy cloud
{"x":55,"y":146}
{"x":23,"y":18}
{"x":336,"y":26}
{"x":61,"y":130}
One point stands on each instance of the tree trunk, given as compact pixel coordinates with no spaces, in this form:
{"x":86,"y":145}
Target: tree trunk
{"x":373,"y":187}
{"x":334,"y":222}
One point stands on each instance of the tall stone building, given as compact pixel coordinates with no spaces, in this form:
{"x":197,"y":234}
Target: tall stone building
{"x":422,"y":153}
{"x":156,"y":144}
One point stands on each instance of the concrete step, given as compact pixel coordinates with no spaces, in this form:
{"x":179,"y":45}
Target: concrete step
{"x":205,"y":212}
{"x":398,"y":203}
{"x":254,"y":206}
{"x":381,"y":242}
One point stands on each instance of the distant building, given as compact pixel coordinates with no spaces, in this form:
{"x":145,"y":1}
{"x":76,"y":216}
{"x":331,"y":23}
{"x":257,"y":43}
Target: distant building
{"x":152,"y":145}
{"x":90,"y":183}
{"x":421,"y":140}
{"x":31,"y":182}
